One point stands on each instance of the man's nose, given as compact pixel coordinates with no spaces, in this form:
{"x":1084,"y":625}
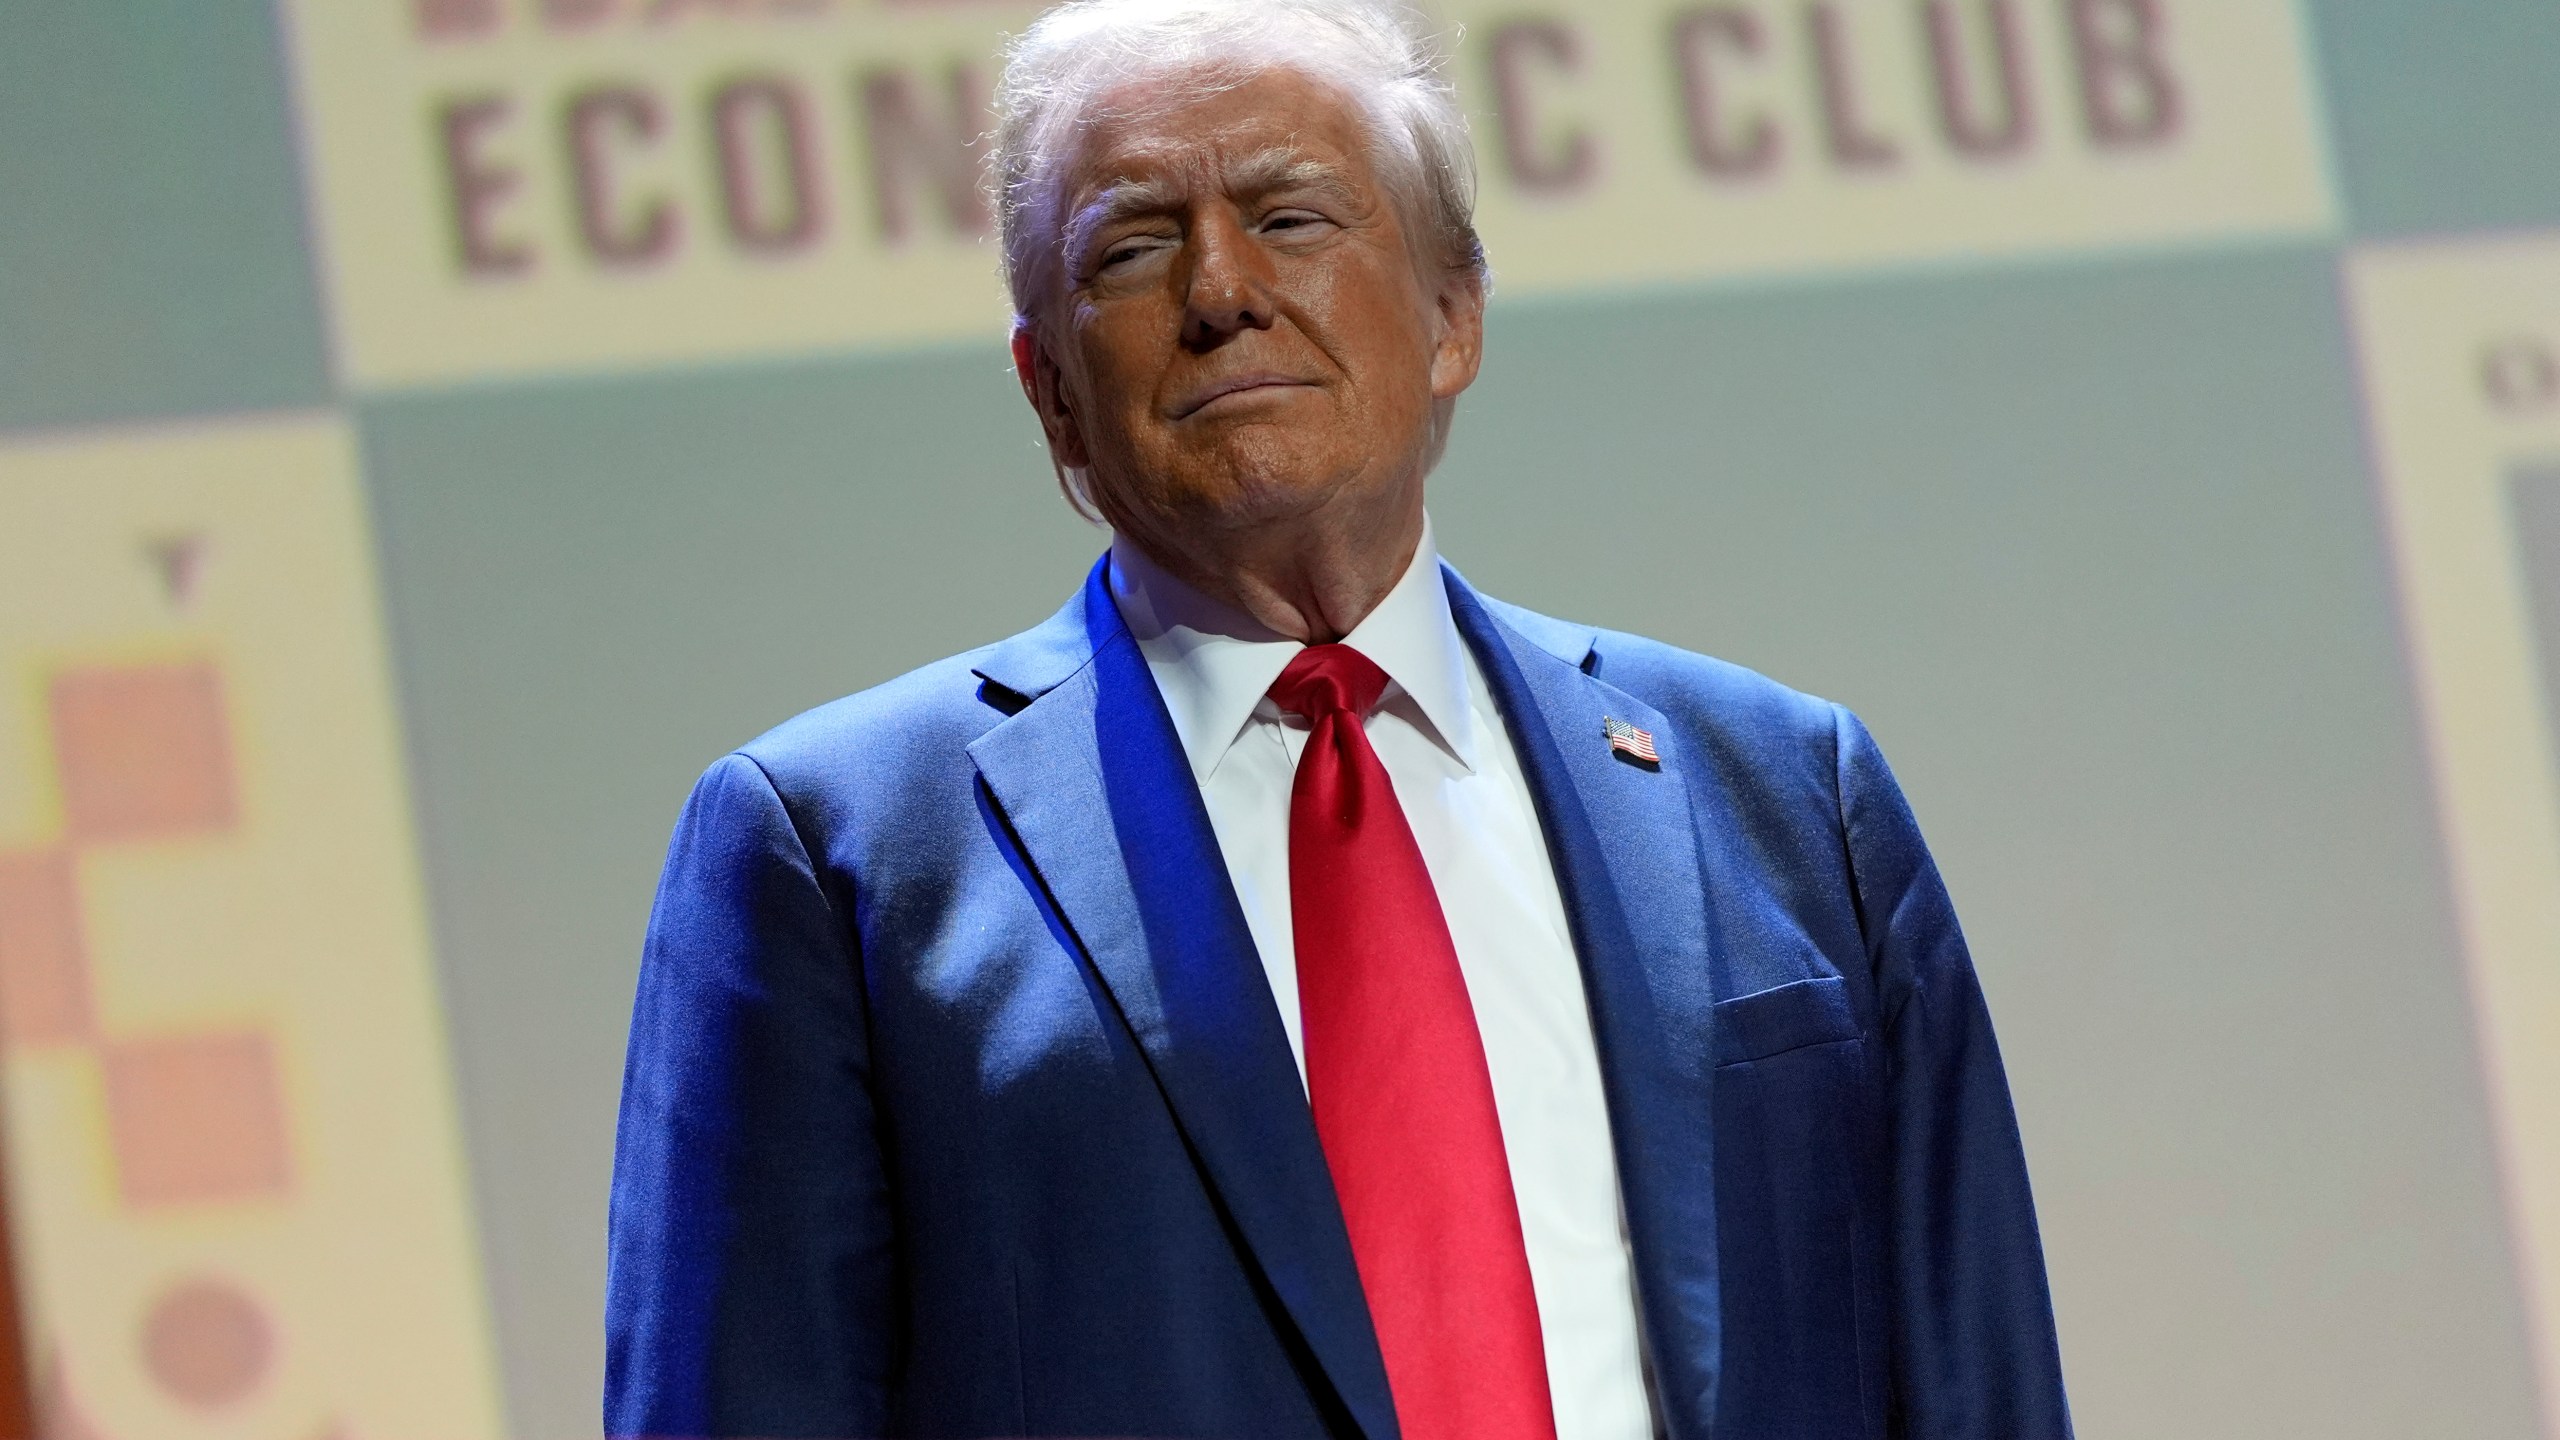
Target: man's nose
{"x":1230,"y":284}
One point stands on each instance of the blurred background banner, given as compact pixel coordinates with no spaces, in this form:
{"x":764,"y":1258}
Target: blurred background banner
{"x":2462,"y":375}
{"x":237,"y":1185}
{"x":505,"y":186}
{"x":433,"y":430}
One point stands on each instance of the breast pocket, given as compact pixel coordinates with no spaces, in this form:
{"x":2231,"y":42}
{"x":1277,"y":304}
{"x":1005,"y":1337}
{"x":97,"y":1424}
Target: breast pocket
{"x":1769,"y":1023}
{"x":1790,"y":1101}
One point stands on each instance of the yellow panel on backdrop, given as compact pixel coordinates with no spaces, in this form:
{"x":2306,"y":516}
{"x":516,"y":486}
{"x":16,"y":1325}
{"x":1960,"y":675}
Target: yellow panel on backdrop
{"x":1640,"y":142}
{"x":236,"y":1175}
{"x":2460,"y":343}
{"x":510,"y":188}
{"x":523,"y":186}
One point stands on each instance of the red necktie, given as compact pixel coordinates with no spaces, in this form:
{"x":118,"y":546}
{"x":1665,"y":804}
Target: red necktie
{"x":1396,"y":1074}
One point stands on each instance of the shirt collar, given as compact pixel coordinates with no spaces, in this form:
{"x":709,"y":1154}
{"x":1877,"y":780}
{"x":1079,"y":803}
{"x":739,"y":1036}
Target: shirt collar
{"x":1214,"y":664}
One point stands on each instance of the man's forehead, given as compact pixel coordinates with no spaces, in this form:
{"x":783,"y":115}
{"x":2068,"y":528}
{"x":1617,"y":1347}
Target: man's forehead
{"x":1274,"y":130}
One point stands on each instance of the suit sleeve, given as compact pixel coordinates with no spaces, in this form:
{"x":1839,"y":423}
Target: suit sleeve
{"x":1973,"y":1346}
{"x":749,"y":1288}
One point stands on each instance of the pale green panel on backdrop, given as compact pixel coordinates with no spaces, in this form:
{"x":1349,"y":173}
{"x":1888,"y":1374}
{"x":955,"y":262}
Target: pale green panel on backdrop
{"x":151,"y":254}
{"x":2443,"y":111}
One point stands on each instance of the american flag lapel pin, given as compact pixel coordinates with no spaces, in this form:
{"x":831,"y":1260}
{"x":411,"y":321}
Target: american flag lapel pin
{"x":1628,"y":740}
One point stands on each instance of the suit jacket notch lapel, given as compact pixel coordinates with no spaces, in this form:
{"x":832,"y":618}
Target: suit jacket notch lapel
{"x":1091,"y":778}
{"x":1624,"y":841}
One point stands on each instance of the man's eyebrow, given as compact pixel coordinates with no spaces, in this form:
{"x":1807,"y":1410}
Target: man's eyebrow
{"x":1280,"y":168}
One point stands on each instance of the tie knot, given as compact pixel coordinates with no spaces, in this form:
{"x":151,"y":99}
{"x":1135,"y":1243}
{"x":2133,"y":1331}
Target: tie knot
{"x":1326,"y":679}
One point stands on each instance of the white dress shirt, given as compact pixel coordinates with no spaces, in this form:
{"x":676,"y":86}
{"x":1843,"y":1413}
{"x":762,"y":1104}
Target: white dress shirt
{"x":1444,"y":745}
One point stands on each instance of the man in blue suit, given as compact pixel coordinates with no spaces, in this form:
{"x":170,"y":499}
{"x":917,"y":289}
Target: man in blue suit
{"x":1289,"y":993}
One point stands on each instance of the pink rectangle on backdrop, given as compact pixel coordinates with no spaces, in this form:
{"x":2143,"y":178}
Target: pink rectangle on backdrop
{"x":44,"y":972}
{"x":196,"y":1118}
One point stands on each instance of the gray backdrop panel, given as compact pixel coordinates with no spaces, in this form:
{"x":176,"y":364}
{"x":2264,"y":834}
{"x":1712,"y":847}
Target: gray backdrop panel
{"x":151,"y":247}
{"x":2440,"y":111}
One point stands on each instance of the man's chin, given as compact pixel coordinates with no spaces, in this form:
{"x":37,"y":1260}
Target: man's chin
{"x":1252,"y":477}
{"x":1268,"y":489}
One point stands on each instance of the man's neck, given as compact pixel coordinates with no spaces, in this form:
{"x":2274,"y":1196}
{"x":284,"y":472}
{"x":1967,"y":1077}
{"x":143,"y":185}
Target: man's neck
{"x":1312,"y":580}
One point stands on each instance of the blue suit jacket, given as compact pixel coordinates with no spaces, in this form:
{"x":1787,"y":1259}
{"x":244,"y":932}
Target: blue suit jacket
{"x":957,"y":1104}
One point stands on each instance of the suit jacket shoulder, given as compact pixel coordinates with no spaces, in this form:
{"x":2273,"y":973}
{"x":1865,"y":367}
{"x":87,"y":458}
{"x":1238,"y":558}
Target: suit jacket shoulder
{"x":905,"y":742}
{"x":1803,"y":824}
{"x":873,"y":736}
{"x":1740,"y":706}
{"x":1765,"y":746}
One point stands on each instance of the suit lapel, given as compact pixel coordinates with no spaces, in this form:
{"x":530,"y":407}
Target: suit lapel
{"x":1624,"y":842}
{"x":1090,"y":777}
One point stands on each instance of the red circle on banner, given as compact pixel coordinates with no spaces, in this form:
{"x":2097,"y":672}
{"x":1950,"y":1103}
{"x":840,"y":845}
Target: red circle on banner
{"x":206,"y":1343}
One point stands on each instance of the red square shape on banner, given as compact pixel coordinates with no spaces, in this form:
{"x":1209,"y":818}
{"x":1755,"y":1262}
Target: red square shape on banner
{"x":44,"y":973}
{"x":196,"y":1118}
{"x":142,"y":752}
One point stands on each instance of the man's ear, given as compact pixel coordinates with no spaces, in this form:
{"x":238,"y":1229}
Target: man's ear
{"x":1458,"y":352}
{"x":1044,"y":386}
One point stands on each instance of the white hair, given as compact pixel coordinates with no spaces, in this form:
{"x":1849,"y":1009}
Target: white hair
{"x":1378,"y":53}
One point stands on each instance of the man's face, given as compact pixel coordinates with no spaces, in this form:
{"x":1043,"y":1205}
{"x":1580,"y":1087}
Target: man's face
{"x":1242,"y":333}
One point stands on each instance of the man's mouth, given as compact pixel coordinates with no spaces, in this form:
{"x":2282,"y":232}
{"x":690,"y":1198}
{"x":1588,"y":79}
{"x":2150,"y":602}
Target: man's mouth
{"x":1232,"y":386}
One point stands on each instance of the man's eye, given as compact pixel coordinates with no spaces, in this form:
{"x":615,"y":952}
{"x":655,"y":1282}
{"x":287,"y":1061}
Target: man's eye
{"x":1296,"y":224}
{"x":1123,"y":251}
